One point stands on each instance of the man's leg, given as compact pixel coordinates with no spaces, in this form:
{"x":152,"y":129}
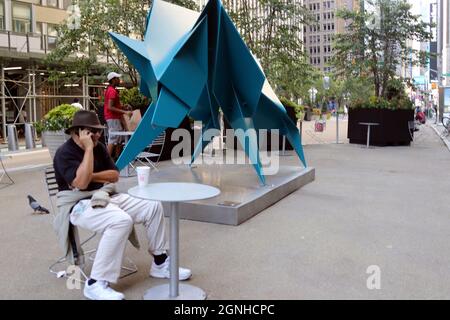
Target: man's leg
{"x":113,"y":140}
{"x":151,"y":215}
{"x":115,"y":226}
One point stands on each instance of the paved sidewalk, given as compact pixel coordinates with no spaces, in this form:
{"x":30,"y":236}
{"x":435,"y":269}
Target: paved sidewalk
{"x":439,"y":129}
{"x":382,"y":206}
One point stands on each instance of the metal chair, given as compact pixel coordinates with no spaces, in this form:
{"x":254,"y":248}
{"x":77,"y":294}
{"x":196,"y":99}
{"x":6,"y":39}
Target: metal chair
{"x":446,"y":124}
{"x":154,"y":150}
{"x":4,"y":174}
{"x":78,"y":247}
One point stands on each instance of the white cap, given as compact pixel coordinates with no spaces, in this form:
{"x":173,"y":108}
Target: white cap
{"x":112,"y":75}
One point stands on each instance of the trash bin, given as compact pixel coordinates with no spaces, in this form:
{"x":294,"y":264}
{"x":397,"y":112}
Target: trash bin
{"x":30,"y":136}
{"x":308,"y":113}
{"x":13,"y":139}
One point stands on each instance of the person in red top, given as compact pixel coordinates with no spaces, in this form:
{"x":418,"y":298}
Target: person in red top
{"x":113,"y":110}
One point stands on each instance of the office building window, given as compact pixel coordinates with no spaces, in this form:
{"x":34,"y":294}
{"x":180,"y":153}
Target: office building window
{"x":21,"y":17}
{"x":52,"y":35}
{"x":40,"y":31}
{"x":52,"y":3}
{"x":38,"y":28}
{"x":2,"y":15}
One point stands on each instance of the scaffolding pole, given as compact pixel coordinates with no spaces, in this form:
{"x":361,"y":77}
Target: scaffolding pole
{"x":3,"y":104}
{"x":34,"y":119}
{"x":30,"y":88}
{"x":32,"y":84}
{"x":84,"y":92}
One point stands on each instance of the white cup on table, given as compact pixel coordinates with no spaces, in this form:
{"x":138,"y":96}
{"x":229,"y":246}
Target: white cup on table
{"x":143,"y":174}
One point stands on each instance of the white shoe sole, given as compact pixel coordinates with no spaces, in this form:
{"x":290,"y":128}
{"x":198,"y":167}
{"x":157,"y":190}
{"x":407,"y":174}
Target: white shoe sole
{"x":88,"y":296}
{"x":160,"y":276}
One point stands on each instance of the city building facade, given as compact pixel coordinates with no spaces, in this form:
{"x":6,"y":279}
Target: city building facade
{"x":28,"y":32}
{"x":257,"y":10}
{"x":443,"y":31}
{"x":318,"y":37}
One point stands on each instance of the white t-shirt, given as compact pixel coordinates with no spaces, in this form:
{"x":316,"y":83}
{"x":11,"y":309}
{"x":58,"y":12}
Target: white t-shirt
{"x":78,"y":105}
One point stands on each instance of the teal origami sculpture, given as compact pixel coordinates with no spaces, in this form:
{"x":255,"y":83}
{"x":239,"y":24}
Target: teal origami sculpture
{"x":190,"y":64}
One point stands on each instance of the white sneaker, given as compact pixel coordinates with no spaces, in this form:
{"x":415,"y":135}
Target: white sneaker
{"x":163,"y":271}
{"x":100,"y":290}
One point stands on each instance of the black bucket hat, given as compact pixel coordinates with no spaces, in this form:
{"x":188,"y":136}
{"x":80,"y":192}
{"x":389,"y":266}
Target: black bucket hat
{"x":84,"y":118}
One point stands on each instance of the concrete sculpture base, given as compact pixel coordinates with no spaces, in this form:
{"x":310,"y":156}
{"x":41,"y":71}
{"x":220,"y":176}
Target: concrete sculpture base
{"x":241,"y":197}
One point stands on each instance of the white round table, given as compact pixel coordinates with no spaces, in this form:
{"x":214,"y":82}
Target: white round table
{"x":174,"y":193}
{"x":368,"y":124}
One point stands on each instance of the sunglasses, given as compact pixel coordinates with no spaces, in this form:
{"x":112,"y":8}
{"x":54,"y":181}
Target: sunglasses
{"x":93,"y":130}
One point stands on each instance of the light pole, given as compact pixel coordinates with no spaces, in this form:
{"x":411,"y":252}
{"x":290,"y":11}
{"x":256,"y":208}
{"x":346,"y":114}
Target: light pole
{"x":326,"y":86}
{"x":439,"y":85}
{"x":312,"y":95}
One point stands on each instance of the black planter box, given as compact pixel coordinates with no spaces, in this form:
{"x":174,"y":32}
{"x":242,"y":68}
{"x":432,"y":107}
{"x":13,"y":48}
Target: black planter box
{"x":392,"y":129}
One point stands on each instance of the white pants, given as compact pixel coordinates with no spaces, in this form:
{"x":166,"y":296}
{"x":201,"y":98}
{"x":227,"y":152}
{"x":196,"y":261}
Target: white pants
{"x":115,"y":223}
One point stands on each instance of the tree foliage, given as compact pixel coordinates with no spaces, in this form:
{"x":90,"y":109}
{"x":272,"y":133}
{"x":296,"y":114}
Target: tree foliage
{"x":376,"y":43}
{"x":272,"y":31}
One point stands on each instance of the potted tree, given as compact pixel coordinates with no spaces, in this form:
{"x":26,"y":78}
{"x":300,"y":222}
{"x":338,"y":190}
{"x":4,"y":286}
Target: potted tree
{"x":53,"y":124}
{"x":375,"y":45}
{"x":392,"y":114}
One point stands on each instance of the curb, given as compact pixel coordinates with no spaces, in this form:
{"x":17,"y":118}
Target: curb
{"x":446,"y":142}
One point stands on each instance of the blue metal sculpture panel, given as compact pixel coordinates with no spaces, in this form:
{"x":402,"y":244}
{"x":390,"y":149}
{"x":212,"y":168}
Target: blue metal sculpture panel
{"x":190,"y":64}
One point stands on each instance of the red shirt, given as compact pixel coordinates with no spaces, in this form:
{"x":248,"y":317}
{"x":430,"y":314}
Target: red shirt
{"x":112,"y":93}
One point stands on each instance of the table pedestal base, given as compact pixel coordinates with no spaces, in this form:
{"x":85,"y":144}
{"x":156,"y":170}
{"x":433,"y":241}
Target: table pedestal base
{"x":186,"y":292}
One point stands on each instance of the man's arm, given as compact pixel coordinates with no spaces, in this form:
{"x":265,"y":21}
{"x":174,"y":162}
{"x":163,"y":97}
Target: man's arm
{"x":105,"y":176}
{"x":85,"y":170}
{"x":113,"y":109}
{"x":110,"y":173}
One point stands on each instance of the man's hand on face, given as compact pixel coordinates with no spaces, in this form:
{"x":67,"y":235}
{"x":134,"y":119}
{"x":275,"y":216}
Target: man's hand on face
{"x":86,"y":138}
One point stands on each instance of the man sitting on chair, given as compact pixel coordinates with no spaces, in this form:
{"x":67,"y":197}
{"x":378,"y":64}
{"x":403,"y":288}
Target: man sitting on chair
{"x":83,"y":166}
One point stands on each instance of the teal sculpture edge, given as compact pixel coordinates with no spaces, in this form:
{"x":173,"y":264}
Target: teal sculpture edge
{"x":191,"y":63}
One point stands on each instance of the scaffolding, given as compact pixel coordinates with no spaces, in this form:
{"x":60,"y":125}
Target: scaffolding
{"x":27,"y":93}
